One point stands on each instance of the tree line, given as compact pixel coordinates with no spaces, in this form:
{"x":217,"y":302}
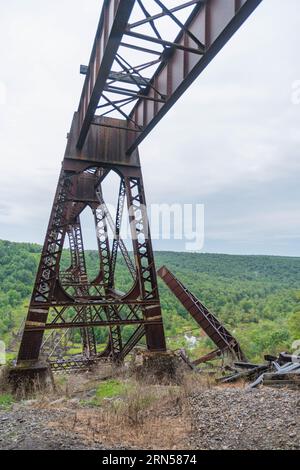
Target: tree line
{"x":256,"y":297}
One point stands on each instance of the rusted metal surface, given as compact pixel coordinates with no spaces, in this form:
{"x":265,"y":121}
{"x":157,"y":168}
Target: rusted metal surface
{"x":210,"y":356}
{"x":114,"y":18}
{"x":123,"y":98}
{"x":106,"y":143}
{"x":116,"y":227}
{"x":48,"y":272}
{"x":281,"y":371}
{"x":214,"y":329}
{"x":213,"y":23}
{"x":74,"y":365}
{"x":67,"y":300}
{"x":173,"y":62}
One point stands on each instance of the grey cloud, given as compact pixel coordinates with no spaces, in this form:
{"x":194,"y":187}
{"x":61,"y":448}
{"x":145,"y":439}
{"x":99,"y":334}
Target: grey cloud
{"x":232,"y":142}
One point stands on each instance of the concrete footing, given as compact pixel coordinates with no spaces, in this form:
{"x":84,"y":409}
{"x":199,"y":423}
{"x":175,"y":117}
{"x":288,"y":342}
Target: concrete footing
{"x":27,"y":379}
{"x":159,"y":367}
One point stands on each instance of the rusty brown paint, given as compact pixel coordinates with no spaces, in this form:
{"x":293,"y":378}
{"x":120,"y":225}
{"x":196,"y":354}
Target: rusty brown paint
{"x":222,"y":338}
{"x":103,"y":144}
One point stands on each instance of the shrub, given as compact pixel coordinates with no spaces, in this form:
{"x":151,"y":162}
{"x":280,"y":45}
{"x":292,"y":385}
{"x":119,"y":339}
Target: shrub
{"x":6,"y":400}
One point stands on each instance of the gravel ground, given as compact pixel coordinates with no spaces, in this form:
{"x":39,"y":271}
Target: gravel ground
{"x":27,"y":429}
{"x":239,"y":419}
{"x":221,"y":418}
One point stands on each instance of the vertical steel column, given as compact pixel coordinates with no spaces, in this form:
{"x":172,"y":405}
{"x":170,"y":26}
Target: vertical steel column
{"x":87,"y":334}
{"x":143,"y":253}
{"x":103,"y":243}
{"x":115,"y":337}
{"x":116,"y":241}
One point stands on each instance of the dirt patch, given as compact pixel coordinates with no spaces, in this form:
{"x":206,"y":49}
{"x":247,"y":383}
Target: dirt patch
{"x":169,"y":431}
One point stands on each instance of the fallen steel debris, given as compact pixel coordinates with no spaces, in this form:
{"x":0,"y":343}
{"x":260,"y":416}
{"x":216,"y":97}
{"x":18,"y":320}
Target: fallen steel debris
{"x":281,"y":371}
{"x":245,"y":374}
{"x":285,"y":375}
{"x":225,"y":343}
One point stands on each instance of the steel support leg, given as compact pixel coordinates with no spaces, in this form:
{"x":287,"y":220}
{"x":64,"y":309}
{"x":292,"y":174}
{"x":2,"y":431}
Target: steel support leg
{"x":48,"y":271}
{"x":143,"y":253}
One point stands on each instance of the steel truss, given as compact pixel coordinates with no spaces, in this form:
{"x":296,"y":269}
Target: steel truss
{"x":139,"y":67}
{"x":62,"y":301}
{"x":173,"y":42}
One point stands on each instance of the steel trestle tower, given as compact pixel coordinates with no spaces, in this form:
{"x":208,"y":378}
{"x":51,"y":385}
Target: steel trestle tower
{"x":138,"y":69}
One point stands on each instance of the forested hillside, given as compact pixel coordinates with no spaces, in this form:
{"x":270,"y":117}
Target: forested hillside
{"x":257,"y":297}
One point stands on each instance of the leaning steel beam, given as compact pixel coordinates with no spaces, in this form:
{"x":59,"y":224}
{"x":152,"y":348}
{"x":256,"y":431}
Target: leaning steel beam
{"x":213,"y":23}
{"x":214,"y":329}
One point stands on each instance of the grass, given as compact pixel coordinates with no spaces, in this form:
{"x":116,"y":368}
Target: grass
{"x":10,"y":356}
{"x":75,"y":350}
{"x":110,"y":389}
{"x":107,"y":390}
{"x":135,"y":400}
{"x":6,"y":401}
{"x":139,"y":415}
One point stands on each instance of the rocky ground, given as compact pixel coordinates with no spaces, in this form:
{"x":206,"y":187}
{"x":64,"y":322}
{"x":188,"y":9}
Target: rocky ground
{"x":213,"y":418}
{"x":235,"y":418}
{"x":31,"y":429}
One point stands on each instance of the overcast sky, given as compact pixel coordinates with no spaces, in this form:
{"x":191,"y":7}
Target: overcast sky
{"x":232,"y":142}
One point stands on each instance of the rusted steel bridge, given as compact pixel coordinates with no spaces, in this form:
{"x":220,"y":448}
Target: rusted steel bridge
{"x":145,"y":55}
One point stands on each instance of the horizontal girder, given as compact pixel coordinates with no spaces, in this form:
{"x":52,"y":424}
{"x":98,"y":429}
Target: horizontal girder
{"x":89,"y":324}
{"x":173,"y":42}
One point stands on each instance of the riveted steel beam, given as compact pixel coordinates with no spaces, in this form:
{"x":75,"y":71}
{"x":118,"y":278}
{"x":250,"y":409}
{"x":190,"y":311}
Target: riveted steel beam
{"x":213,"y":23}
{"x":113,"y":21}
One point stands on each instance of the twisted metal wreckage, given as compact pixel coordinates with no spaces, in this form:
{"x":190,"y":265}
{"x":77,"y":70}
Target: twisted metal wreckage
{"x":145,"y":55}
